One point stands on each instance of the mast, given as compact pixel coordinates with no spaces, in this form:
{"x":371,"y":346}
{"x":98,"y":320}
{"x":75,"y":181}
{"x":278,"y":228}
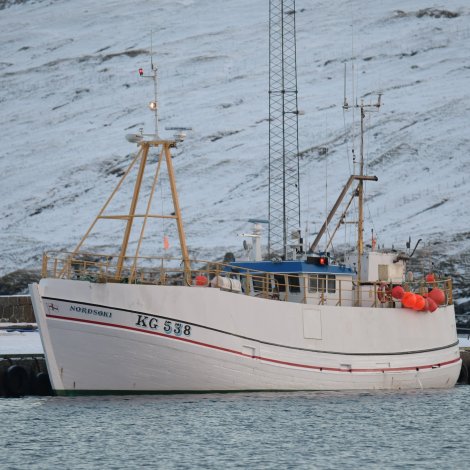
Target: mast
{"x":360,"y":187}
{"x":360,"y":205}
{"x":154,"y":105}
{"x":284,"y":189}
{"x":145,"y":142}
{"x":130,"y":219}
{"x":358,"y":192}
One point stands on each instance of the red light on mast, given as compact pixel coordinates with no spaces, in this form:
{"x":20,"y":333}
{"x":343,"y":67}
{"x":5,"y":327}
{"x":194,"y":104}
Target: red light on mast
{"x":141,"y":72}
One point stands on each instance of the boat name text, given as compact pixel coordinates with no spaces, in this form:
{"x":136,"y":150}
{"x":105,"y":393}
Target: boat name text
{"x":169,"y":327}
{"x":91,"y":311}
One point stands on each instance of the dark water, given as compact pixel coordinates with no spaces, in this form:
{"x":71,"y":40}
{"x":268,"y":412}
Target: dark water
{"x":421,"y":429}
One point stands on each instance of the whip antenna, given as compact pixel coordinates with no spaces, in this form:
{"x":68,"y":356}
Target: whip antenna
{"x":153,"y":105}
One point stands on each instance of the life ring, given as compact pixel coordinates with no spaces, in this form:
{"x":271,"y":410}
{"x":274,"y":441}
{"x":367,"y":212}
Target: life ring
{"x":383,"y":292}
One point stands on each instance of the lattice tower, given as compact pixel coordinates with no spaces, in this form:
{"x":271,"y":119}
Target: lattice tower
{"x":284,"y":191}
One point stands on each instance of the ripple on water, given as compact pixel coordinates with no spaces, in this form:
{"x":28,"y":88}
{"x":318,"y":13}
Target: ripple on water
{"x":419,"y":429}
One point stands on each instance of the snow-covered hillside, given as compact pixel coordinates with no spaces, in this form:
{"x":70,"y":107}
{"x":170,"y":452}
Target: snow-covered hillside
{"x":70,"y":91}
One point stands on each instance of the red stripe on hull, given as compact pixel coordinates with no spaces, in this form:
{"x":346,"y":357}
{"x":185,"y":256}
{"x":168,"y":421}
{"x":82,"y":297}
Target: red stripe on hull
{"x":238,"y":353}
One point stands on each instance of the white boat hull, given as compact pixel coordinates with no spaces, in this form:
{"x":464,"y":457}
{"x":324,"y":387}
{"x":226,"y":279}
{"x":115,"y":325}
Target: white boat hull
{"x":118,"y":338}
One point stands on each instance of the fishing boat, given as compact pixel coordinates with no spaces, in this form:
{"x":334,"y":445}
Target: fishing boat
{"x":123,"y":323}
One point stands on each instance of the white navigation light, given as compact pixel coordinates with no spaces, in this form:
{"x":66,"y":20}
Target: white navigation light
{"x":153,"y":105}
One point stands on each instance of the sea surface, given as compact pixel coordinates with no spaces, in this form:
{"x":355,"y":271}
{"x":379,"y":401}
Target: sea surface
{"x":308,"y":430}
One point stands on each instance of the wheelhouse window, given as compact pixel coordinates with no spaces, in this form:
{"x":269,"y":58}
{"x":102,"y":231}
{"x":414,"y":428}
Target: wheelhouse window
{"x":294,"y":284}
{"x":280,"y":282}
{"x":322,"y":283}
{"x":292,"y":281}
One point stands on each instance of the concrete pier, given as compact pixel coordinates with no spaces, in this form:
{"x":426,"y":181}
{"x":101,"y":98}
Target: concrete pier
{"x":21,"y":374}
{"x":24,"y":374}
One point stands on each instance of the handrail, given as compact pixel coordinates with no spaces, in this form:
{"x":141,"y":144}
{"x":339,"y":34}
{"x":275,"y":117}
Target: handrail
{"x":303,"y":288}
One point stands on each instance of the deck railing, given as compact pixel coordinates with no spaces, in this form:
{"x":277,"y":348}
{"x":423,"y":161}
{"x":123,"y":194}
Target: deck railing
{"x":307,"y":288}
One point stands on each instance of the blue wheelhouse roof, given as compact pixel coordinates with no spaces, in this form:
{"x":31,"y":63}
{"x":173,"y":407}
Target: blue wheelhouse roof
{"x":288,"y":267}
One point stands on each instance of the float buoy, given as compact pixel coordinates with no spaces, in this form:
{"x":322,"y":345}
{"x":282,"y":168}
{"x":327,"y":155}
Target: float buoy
{"x":408,"y":300}
{"x":201,"y":280}
{"x":431,"y":305}
{"x":430,"y":277}
{"x":398,"y":292}
{"x":437,"y":295}
{"x":420,"y":302}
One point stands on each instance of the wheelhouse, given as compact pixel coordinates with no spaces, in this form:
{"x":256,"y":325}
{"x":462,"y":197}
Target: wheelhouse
{"x":295,"y":281}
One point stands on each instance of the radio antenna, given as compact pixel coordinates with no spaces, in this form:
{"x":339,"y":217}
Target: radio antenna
{"x":151,"y":49}
{"x":153,"y":105}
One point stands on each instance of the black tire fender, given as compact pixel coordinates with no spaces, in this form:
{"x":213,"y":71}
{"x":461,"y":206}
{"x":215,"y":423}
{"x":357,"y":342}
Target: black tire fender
{"x":16,"y":381}
{"x":463,"y":377}
{"x":42,"y":384}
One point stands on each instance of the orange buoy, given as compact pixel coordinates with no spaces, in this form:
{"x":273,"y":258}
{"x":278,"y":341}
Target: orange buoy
{"x":430,"y":277}
{"x":420,"y":302}
{"x":397,"y":292}
{"x":437,"y":295}
{"x":409,"y":299}
{"x":201,"y":280}
{"x":431,"y":306}
{"x":426,"y":304}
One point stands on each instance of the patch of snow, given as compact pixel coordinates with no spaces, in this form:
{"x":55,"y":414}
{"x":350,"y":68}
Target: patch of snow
{"x":24,"y":342}
{"x":70,"y":91}
{"x":464,"y":342}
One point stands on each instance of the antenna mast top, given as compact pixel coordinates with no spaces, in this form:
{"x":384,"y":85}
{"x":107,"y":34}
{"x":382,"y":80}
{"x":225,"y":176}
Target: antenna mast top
{"x":364,"y":108}
{"x":153,"y":105}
